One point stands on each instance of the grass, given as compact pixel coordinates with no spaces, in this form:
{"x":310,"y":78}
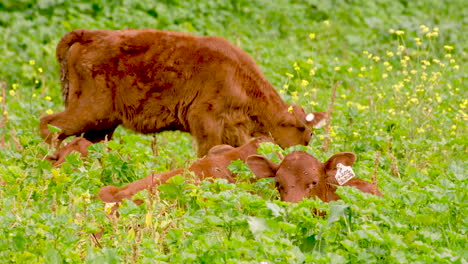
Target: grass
{"x":400,"y":70}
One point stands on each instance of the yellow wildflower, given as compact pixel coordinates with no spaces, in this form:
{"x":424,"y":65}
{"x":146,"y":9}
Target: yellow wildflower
{"x":310,"y":61}
{"x":39,"y":70}
{"x":448,"y":55}
{"x":326,"y":22}
{"x":289,"y":75}
{"x":414,"y":72}
{"x":350,"y":69}
{"x":5,"y":112}
{"x":290,"y":109}
{"x":49,"y":111}
{"x":337,"y":68}
{"x":312,"y":72}
{"x":32,"y":62}
{"x":34,"y":95}
{"x":286,"y":86}
{"x":365,"y":52}
{"x":304,"y":83}
{"x":391,"y":31}
{"x":363,"y":68}
{"x":376,"y":58}
{"x":1,"y":99}
{"x":48,"y":98}
{"x":389,"y":54}
{"x":452,"y":60}
{"x":456,"y":67}
{"x":14,"y":86}
{"x":12,"y":92}
{"x":384,"y":76}
{"x":448,"y":47}
{"x":424,"y":28}
{"x":296,"y":67}
{"x":400,"y":32}
{"x":436,"y":29}
{"x":401,"y":48}
{"x":312,"y":35}
{"x":389,"y":68}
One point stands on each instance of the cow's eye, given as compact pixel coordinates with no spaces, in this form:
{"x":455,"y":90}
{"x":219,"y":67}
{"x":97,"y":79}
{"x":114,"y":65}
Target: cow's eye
{"x":301,"y":129}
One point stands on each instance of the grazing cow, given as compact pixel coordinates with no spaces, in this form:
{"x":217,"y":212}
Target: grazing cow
{"x":301,"y":175}
{"x":150,"y":81}
{"x":214,"y":165}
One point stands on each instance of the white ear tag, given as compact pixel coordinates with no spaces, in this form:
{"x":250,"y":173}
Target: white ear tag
{"x":310,"y":117}
{"x":343,"y":173}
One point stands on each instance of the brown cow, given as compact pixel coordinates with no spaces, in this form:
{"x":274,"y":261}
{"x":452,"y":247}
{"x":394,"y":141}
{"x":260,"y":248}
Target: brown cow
{"x":213,"y":165}
{"x":150,"y":81}
{"x":301,"y":175}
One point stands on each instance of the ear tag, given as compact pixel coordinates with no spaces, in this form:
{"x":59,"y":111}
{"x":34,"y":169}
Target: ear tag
{"x":310,"y":117}
{"x":343,"y":173}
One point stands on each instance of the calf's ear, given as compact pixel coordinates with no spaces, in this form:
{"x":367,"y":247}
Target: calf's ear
{"x":219,"y":149}
{"x":261,"y":166}
{"x":317,"y":119}
{"x":345,"y":158}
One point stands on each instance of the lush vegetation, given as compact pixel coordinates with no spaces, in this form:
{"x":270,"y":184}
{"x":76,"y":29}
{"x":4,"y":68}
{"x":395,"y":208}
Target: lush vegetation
{"x":399,"y":69}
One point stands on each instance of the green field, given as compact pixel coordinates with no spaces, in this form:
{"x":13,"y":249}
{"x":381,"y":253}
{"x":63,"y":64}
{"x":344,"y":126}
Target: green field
{"x":400,"y":72}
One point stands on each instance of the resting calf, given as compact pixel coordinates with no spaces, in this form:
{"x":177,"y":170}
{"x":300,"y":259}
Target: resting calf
{"x":300,"y":175}
{"x":214,"y":165}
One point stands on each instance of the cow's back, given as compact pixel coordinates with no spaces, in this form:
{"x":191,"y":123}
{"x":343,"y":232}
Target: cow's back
{"x":156,"y":76}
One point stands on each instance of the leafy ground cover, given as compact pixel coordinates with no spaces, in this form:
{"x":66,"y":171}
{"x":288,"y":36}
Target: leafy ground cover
{"x":399,"y":70}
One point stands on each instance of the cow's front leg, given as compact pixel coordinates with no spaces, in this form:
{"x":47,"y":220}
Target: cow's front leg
{"x":207,"y":131}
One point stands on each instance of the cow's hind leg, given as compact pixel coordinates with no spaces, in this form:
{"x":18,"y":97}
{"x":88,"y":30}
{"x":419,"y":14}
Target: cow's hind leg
{"x":103,"y":133}
{"x":73,"y":123}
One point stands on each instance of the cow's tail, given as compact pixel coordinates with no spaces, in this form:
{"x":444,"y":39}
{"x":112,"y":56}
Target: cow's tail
{"x":62,"y":53}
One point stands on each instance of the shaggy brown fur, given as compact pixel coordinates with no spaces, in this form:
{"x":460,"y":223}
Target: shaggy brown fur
{"x":150,"y":81}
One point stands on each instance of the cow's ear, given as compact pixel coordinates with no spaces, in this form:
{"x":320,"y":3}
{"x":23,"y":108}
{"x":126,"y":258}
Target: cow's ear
{"x":317,"y":119}
{"x":345,"y":158}
{"x":261,"y":166}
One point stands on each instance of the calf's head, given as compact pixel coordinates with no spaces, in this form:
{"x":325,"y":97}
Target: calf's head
{"x":295,"y":127}
{"x":301,"y":175}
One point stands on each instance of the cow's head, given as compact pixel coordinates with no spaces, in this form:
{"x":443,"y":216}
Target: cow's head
{"x":301,"y":175}
{"x":295,"y":127}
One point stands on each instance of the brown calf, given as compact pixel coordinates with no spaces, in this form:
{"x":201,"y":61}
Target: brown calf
{"x":150,"y":81}
{"x":212,"y":166}
{"x":301,"y":175}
